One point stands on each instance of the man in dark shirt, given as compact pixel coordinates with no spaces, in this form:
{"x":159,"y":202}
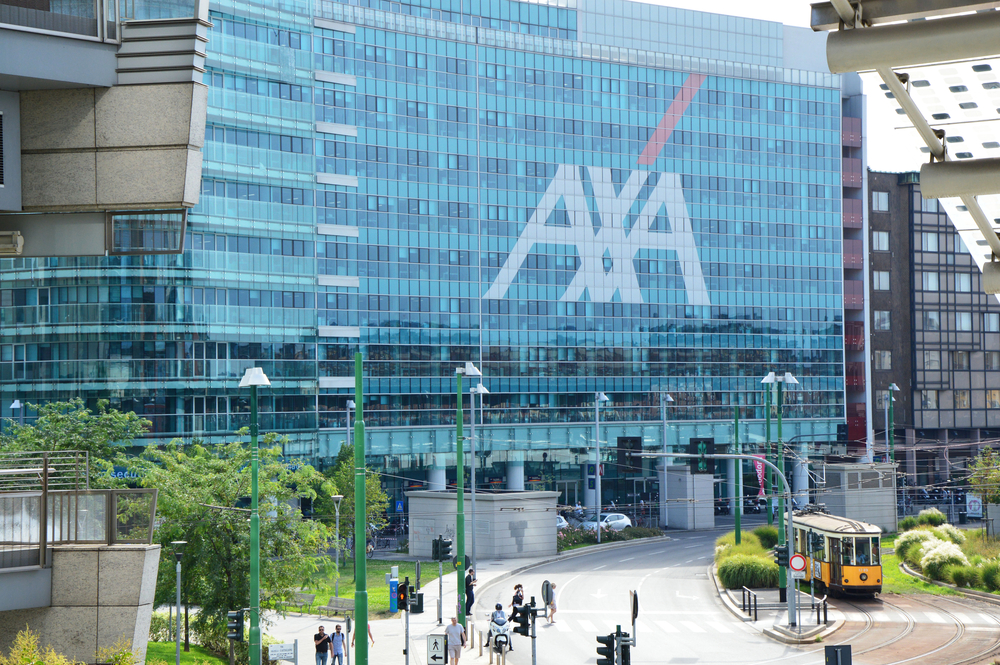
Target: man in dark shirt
{"x":322,"y":641}
{"x":470,"y":596}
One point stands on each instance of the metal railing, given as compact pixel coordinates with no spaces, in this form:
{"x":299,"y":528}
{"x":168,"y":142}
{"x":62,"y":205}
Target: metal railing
{"x":750,"y":603}
{"x":821,"y":606}
{"x":45,"y":500}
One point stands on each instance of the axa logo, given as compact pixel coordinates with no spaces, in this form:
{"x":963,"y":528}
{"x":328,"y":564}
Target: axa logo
{"x":609,"y":226}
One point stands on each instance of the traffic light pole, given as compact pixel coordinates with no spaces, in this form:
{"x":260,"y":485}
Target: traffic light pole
{"x":440,"y":591}
{"x":788,"y":524}
{"x":534,"y":657}
{"x":406,"y":644}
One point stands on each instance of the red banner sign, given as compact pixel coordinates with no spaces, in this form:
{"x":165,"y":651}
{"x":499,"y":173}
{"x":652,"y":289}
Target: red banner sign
{"x":760,"y":475}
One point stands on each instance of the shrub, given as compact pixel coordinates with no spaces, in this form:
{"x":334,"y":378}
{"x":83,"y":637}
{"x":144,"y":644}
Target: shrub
{"x":159,"y":627}
{"x":25,"y":651}
{"x":743,"y":570}
{"x":746,"y":549}
{"x":908,"y":523}
{"x":642,"y":532}
{"x":931,"y":517}
{"x":957,"y":575}
{"x":767,"y":535}
{"x":937,"y":554}
{"x":910,"y":541}
{"x":949,"y":532}
{"x":990,"y":575}
{"x":745,"y":538}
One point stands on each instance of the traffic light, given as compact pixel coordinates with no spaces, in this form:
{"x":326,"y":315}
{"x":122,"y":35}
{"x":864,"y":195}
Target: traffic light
{"x":815,"y":542}
{"x":234,"y":625}
{"x":522,"y":620}
{"x":606,"y":652}
{"x":411,"y":594}
{"x":401,"y":595}
{"x":701,"y":447}
{"x":626,"y":658}
{"x":781,"y":555}
{"x":436,"y":549}
{"x":445,"y":548}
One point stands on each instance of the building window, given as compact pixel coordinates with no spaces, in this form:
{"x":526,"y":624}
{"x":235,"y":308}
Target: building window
{"x":960,"y":360}
{"x":960,"y":245}
{"x":880,"y":280}
{"x":880,"y":201}
{"x":880,"y":241}
{"x":963,"y":282}
{"x":992,"y":359}
{"x":932,"y":360}
{"x":991,"y":322}
{"x":961,"y":399}
{"x":928,"y":205}
{"x":883,"y":359}
{"x":929,"y":399}
{"x":963,"y":321}
{"x":883,"y":319}
{"x":993,"y":399}
{"x":881,"y":399}
{"x":930,"y":281}
{"x":928,"y":242}
{"x":932,"y":320}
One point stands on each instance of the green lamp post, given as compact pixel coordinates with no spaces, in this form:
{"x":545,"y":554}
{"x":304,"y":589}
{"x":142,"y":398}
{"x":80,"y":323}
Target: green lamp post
{"x":781,"y":380}
{"x":468,"y":370}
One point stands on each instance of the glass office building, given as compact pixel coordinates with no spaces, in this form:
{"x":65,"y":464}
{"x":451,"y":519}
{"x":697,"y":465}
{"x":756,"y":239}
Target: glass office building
{"x":578,"y":196}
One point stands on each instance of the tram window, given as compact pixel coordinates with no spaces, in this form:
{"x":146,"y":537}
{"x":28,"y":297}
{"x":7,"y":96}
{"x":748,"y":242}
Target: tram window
{"x":847,"y":552}
{"x":864,"y":551}
{"x":876,"y":559}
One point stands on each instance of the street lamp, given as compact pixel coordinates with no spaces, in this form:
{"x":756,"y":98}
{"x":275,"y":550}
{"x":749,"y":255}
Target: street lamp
{"x":16,"y":404}
{"x":337,"y":498}
{"x":178,"y":555}
{"x":664,"y":399}
{"x":781,"y":380}
{"x":481,"y":390}
{"x":468,"y":370}
{"x":598,"y":398}
{"x":253,"y":378}
{"x":891,"y":426}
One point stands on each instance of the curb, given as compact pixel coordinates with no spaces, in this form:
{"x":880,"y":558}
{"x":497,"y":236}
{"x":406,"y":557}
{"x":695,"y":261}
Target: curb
{"x":981,"y":595}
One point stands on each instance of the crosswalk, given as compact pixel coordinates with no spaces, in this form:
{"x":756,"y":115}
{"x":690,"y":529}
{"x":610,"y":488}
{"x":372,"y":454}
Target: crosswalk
{"x":919,"y":616}
{"x":714,"y":623}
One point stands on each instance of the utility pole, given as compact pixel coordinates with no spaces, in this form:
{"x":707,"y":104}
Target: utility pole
{"x":360,"y":522}
{"x":738,"y":470}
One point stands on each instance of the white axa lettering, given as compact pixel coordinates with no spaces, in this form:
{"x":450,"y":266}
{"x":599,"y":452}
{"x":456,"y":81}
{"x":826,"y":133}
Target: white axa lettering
{"x":611,"y":238}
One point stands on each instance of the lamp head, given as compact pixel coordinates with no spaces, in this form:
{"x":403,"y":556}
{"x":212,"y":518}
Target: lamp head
{"x":337,"y":498}
{"x":667,"y":397}
{"x":601,"y":397}
{"x":179,"y":546}
{"x":769,"y":378}
{"x":254,"y":377}
{"x":788,"y":378}
{"x":469,"y":369}
{"x":351,"y":404}
{"x":480,"y":389}
{"x":16,"y":404}
{"x":893,"y":387}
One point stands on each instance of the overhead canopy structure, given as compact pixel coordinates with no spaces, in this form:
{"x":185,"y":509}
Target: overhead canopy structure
{"x":938,"y":64}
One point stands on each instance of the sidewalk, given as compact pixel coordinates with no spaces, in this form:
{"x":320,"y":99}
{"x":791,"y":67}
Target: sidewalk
{"x":389,"y":634}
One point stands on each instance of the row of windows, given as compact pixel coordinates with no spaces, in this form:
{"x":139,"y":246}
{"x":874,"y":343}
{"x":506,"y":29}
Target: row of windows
{"x":253,"y":192}
{"x":140,"y":350}
{"x":248,"y":244}
{"x":930,"y":399}
{"x":252,"y":139}
{"x":258,"y":86}
{"x":259,"y":33}
{"x":963,"y":321}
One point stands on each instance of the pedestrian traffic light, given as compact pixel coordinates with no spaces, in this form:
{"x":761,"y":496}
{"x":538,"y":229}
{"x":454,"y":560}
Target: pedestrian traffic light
{"x":701,"y":448}
{"x":606,"y":650}
{"x":522,"y":619}
{"x":234,"y":625}
{"x":436,"y":549}
{"x":445,"y":549}
{"x":401,"y":595}
{"x":626,"y":657}
{"x":781,"y":555}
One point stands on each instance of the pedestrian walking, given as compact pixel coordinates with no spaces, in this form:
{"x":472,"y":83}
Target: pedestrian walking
{"x":355,"y":636}
{"x":456,"y":640}
{"x":337,"y":640}
{"x":517,"y":600}
{"x":470,"y":595}
{"x":322,"y":641}
{"x":552,"y":604}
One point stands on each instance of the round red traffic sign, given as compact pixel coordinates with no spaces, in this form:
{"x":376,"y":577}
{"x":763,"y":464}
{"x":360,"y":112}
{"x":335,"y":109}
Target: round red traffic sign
{"x":797,"y":562}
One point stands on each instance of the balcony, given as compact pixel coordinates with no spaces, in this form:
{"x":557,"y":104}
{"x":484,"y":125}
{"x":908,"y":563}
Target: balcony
{"x":854,"y":254}
{"x":850,"y":132}
{"x":854,"y":379}
{"x":854,"y":294}
{"x":854,"y":336}
{"x":852,"y":176}
{"x":854,"y":213}
{"x":857,"y":429}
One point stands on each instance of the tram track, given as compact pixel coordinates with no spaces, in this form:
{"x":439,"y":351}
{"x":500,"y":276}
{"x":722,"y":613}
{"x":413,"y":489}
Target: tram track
{"x":870,"y":623}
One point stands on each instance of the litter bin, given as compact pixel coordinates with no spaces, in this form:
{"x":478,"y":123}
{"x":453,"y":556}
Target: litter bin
{"x":418,"y":607}
{"x":963,"y":517}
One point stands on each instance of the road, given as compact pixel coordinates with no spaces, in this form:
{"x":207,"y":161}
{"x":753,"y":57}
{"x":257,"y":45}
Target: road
{"x":682,"y":620}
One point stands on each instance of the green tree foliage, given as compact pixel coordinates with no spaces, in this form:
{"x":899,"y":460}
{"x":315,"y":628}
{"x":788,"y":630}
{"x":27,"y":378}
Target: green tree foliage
{"x":72,"y":426}
{"x":984,"y":476}
{"x":341,"y":476}
{"x":199,"y":489}
{"x":26,"y":651}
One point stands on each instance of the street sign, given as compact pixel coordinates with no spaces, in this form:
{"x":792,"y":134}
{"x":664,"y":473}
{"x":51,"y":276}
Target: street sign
{"x":399,"y":506}
{"x":281,"y":652}
{"x":547,"y":593}
{"x":437,"y":654}
{"x":634,"y":598}
{"x":798,"y":574}
{"x":797,"y":562}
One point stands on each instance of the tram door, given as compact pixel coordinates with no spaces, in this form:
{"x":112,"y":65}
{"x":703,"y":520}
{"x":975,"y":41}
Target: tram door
{"x":835,"y":562}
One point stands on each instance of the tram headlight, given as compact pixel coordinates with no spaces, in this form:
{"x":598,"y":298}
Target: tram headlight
{"x":864,"y":577}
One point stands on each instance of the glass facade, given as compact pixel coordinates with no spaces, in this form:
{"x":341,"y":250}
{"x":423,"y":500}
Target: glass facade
{"x":594,"y":196}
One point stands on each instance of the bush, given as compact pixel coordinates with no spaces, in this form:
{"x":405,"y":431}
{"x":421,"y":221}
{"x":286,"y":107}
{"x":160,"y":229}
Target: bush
{"x":908,"y":523}
{"x":936,"y":555}
{"x":730,"y":539}
{"x":767,"y":535}
{"x":159,"y":627}
{"x":990,"y":575}
{"x":743,"y":549}
{"x":957,"y":575}
{"x":743,"y":570}
{"x":25,"y":651}
{"x":911,"y":542}
{"x":949,"y":532}
{"x":931,"y":517}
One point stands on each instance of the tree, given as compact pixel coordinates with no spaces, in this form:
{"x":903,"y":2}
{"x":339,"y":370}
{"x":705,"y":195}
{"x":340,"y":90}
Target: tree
{"x":341,"y":477}
{"x":201,"y":489}
{"x":984,"y":475}
{"x":72,"y":426}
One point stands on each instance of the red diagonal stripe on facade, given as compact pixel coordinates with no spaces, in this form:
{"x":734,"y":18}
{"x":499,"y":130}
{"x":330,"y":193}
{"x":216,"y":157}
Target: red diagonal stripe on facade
{"x":671,"y":118}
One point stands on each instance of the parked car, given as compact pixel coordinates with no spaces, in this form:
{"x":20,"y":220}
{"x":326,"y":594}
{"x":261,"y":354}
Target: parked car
{"x":615,"y":521}
{"x":561,"y":522}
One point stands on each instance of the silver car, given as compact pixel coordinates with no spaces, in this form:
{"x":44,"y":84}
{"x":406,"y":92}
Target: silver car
{"x":615,"y":521}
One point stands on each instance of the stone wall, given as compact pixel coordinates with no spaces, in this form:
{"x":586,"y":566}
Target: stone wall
{"x":100,"y":595}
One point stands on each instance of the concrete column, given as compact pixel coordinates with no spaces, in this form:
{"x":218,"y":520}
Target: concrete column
{"x":515,"y":470}
{"x":800,"y":482}
{"x":436,"y":477}
{"x":661,"y":473}
{"x":731,"y":485}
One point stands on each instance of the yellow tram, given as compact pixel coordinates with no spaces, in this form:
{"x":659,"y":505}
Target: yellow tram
{"x":842,"y":555}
